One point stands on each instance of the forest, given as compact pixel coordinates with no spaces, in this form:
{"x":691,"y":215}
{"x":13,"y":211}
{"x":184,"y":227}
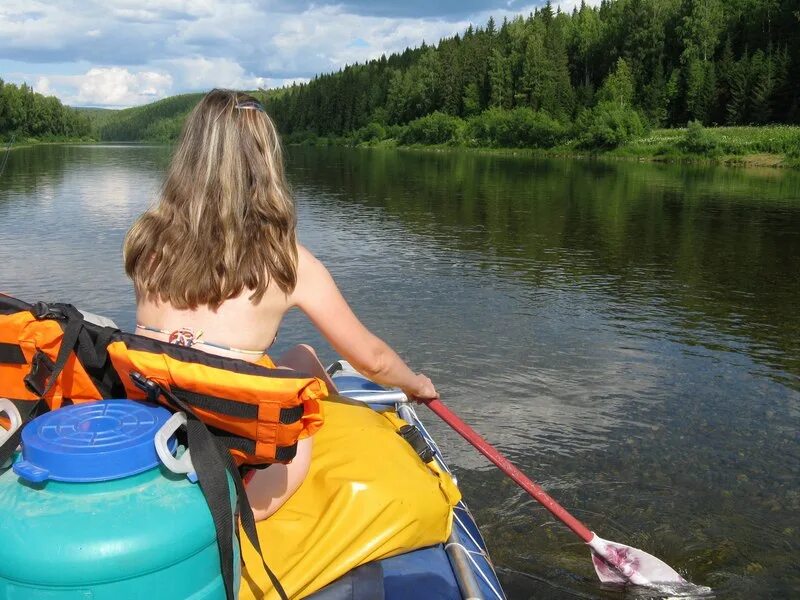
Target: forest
{"x":600,"y":74}
{"x":26,"y":114}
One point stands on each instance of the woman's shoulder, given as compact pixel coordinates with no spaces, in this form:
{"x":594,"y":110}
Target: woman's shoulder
{"x":312,"y":276}
{"x":307,"y":263}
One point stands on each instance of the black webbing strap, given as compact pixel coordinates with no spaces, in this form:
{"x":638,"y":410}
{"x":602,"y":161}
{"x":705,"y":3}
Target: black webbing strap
{"x":249,"y":524}
{"x":93,"y":355}
{"x":234,"y":408}
{"x":211,"y":462}
{"x":72,"y":329}
{"x":222,"y":406}
{"x":11,"y":354}
{"x":417,"y":441}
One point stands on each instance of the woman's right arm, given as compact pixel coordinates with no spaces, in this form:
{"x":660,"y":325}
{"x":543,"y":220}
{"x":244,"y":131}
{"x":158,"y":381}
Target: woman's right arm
{"x":317,"y":295}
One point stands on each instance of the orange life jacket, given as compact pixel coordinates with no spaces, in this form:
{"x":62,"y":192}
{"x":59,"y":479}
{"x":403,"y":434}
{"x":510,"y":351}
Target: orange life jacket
{"x":258,"y":413}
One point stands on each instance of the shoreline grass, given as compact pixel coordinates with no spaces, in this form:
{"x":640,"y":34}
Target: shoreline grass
{"x":775,"y":146}
{"x":30,"y":142}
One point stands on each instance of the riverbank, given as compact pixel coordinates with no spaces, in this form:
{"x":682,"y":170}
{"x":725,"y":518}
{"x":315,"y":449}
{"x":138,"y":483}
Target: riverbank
{"x":29,"y":142}
{"x":776,"y":146}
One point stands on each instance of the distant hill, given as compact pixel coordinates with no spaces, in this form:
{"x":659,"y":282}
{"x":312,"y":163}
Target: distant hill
{"x":159,"y":121}
{"x":96,"y":116}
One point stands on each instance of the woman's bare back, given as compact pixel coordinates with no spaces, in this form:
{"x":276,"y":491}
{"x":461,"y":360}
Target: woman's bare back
{"x":237,"y":329}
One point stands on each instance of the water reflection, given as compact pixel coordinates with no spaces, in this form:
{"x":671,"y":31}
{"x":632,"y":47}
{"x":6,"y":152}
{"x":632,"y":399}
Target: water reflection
{"x":702,"y":240}
{"x":63,"y":212}
{"x":626,"y":333}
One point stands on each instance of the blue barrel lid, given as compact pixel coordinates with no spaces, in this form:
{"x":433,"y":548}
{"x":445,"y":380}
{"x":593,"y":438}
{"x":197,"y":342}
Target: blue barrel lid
{"x":96,"y":441}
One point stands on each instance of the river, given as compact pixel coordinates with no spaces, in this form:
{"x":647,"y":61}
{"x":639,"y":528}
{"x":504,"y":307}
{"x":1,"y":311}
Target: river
{"x":628,"y":334}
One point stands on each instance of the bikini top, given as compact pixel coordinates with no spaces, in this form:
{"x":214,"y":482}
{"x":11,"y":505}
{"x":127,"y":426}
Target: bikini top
{"x":188,"y":337}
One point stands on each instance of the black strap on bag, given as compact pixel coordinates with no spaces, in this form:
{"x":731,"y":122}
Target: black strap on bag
{"x":44,"y":373}
{"x":212,"y":461}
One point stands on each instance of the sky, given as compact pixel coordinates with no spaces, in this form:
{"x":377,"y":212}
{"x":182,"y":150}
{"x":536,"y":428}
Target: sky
{"x":120,"y":53}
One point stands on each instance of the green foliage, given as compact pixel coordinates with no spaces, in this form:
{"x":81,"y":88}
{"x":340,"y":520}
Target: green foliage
{"x":698,"y":141}
{"x":701,"y":89}
{"x":25,"y":114}
{"x":500,"y":80}
{"x":702,"y":23}
{"x":373,"y":132}
{"x":618,"y":86}
{"x":436,"y":128}
{"x":608,"y":125}
{"x":166,"y":130}
{"x":520,"y":128}
{"x":472,"y":99}
{"x":159,"y":121}
{"x":757,"y":145}
{"x":416,"y":91}
{"x":671,"y":60}
{"x":738,"y":84}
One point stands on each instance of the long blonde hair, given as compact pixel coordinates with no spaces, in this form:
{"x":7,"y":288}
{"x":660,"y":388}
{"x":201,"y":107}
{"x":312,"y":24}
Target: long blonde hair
{"x":225,"y":221}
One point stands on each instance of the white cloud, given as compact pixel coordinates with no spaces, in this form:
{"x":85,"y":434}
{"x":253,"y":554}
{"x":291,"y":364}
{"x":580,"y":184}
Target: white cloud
{"x":321,"y":38}
{"x":127,"y":52}
{"x":200,"y":73}
{"x":107,"y":86}
{"x":569,"y":5}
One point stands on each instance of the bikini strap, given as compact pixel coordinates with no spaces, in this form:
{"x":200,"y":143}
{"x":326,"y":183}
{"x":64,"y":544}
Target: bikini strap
{"x":186,"y":336}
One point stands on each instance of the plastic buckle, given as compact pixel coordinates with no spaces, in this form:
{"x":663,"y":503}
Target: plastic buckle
{"x":41,"y":370}
{"x":42,"y":310}
{"x":417,"y":441}
{"x":148,"y":386}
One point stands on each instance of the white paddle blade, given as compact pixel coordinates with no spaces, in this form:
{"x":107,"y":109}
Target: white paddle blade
{"x":618,"y":563}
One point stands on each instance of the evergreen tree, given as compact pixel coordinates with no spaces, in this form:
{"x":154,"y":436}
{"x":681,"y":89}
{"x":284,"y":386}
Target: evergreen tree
{"x":471,"y":99}
{"x":500,"y":80}
{"x":25,"y":113}
{"x":738,"y":86}
{"x":701,"y":89}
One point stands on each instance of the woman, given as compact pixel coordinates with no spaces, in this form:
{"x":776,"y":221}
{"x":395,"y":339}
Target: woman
{"x":216,"y":265}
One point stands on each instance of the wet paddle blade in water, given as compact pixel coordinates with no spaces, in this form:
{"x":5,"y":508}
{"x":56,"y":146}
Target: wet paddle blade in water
{"x":623,"y":565}
{"x":618,"y":563}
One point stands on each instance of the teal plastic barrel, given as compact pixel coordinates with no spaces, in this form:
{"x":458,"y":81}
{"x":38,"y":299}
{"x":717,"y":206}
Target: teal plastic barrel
{"x":88,"y":512}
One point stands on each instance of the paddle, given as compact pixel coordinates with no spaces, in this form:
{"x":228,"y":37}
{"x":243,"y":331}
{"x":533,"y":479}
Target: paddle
{"x":614,"y":563}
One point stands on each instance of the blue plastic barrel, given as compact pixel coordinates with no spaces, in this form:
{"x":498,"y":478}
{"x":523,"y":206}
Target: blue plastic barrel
{"x":89,"y":513}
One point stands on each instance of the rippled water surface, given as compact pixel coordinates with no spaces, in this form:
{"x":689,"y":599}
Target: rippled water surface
{"x":628,"y":334}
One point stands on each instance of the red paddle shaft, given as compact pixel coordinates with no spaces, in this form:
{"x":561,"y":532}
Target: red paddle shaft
{"x":505,"y":465}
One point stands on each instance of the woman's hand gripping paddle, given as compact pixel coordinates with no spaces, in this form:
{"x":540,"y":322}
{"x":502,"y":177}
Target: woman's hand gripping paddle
{"x":614,"y":563}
